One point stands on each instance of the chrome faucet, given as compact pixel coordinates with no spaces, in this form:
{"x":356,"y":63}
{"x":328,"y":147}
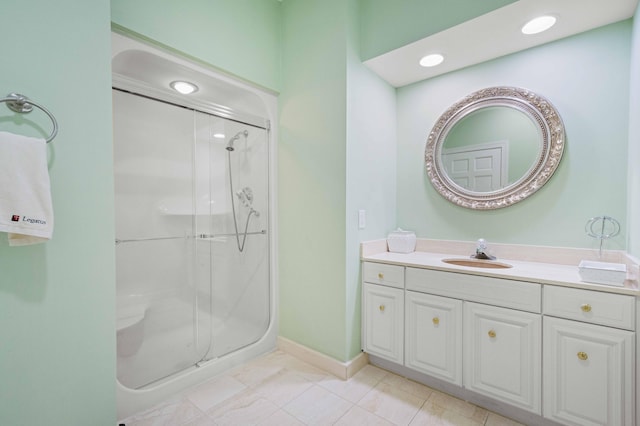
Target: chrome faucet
{"x":481,"y":250}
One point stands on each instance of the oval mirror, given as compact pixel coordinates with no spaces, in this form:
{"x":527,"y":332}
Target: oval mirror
{"x":494,"y":148}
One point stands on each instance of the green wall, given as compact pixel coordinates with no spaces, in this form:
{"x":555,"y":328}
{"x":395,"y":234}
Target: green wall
{"x":387,"y":25}
{"x":311,"y":182}
{"x":57,"y":300}
{"x":586,"y":77}
{"x":240,"y":37}
{"x":371,"y":170}
{"x":633,"y":177}
{"x":336,"y":151}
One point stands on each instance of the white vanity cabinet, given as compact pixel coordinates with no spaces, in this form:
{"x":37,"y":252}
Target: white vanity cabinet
{"x":433,"y":335}
{"x":588,"y":375}
{"x":499,"y":346}
{"x":502,"y":356}
{"x":383,"y":311}
{"x":549,"y":353}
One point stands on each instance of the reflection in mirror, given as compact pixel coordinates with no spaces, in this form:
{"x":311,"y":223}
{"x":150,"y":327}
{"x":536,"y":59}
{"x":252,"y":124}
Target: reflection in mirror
{"x":502,"y":142}
{"x":494,"y":148}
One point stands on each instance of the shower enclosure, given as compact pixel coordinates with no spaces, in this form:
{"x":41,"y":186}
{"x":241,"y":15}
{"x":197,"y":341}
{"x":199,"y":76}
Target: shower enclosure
{"x":193,"y":240}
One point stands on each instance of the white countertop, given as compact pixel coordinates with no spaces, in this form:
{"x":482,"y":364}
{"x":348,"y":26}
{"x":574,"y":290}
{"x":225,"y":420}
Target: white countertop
{"x":543,"y":273}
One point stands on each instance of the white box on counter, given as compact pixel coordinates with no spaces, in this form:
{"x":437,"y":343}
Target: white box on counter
{"x":400,"y":241}
{"x":603,"y":272}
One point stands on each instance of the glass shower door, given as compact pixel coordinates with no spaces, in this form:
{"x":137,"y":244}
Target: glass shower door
{"x":238,"y":233}
{"x":163,"y":272}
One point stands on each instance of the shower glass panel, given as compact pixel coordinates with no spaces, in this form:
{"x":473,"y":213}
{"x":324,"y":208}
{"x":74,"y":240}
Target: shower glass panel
{"x":240,"y":279}
{"x":185,"y":292}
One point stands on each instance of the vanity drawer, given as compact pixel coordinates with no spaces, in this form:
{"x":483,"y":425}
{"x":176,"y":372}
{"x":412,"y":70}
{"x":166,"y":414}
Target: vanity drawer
{"x":380,"y":273}
{"x":614,"y":310}
{"x":476,"y":288}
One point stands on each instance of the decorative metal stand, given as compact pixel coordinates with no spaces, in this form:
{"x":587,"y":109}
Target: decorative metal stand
{"x":602,"y":228}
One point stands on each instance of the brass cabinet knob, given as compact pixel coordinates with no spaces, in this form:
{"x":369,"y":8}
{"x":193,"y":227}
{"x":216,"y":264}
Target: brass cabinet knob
{"x":381,"y":308}
{"x":583,"y":356}
{"x":436,"y":320}
{"x":492,"y":333}
{"x":380,"y":275}
{"x":585,"y":307}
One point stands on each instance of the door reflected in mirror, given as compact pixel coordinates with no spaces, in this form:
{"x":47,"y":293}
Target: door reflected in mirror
{"x":491,"y":148}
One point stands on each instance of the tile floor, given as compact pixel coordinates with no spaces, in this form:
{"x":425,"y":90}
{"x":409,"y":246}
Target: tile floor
{"x":278,"y":389}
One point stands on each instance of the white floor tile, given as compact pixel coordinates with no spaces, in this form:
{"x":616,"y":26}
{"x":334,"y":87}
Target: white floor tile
{"x":247,"y":408}
{"x":171,"y":413}
{"x":281,"y":418}
{"x":394,"y":405}
{"x":496,"y":420}
{"x":318,"y":406}
{"x":281,"y":390}
{"x":357,"y":416}
{"x":254,"y":373}
{"x":213,"y":392}
{"x":375,"y":372}
{"x":203,"y":420}
{"x":438,"y":416}
{"x":409,"y":386}
{"x":353,"y":389}
{"x":452,"y":404}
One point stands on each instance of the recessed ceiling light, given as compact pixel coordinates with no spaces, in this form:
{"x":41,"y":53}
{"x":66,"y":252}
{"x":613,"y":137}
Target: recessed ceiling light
{"x":218,"y":135}
{"x":539,"y":24}
{"x":432,"y":60}
{"x":184,"y":87}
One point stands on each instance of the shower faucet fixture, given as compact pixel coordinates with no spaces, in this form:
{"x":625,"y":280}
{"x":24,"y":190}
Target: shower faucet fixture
{"x":230,"y":147}
{"x":245,"y":196}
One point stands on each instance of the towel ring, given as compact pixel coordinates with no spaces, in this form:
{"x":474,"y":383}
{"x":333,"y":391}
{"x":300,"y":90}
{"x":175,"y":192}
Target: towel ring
{"x":23,"y":105}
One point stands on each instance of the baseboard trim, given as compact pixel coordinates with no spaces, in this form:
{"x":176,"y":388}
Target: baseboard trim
{"x":342,"y":370}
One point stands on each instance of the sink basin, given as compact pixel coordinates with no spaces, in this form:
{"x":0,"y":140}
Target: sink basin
{"x":477,"y":263}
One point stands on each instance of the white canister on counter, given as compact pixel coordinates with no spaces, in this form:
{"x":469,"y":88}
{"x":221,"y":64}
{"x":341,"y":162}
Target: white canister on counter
{"x":401,"y":241}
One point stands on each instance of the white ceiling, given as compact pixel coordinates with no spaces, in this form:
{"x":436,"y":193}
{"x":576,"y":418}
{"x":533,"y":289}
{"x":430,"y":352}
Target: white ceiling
{"x":496,"y":34}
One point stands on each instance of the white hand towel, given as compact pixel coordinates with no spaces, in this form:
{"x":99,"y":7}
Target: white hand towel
{"x":26,"y":210}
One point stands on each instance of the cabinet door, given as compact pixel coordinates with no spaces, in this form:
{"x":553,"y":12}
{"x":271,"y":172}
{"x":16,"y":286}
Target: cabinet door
{"x":433,"y":335}
{"x":383,"y":319}
{"x":588,"y":376}
{"x":502,"y":357}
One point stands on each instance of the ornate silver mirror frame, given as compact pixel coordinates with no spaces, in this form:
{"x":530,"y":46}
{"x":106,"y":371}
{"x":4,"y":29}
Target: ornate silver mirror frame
{"x":538,"y":109}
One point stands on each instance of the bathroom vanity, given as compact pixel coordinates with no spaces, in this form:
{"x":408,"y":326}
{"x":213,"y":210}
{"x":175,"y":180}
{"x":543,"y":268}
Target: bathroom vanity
{"x":530,"y":340}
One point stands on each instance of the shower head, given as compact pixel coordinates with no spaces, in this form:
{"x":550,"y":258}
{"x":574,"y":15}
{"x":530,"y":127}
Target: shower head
{"x":235,"y":138}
